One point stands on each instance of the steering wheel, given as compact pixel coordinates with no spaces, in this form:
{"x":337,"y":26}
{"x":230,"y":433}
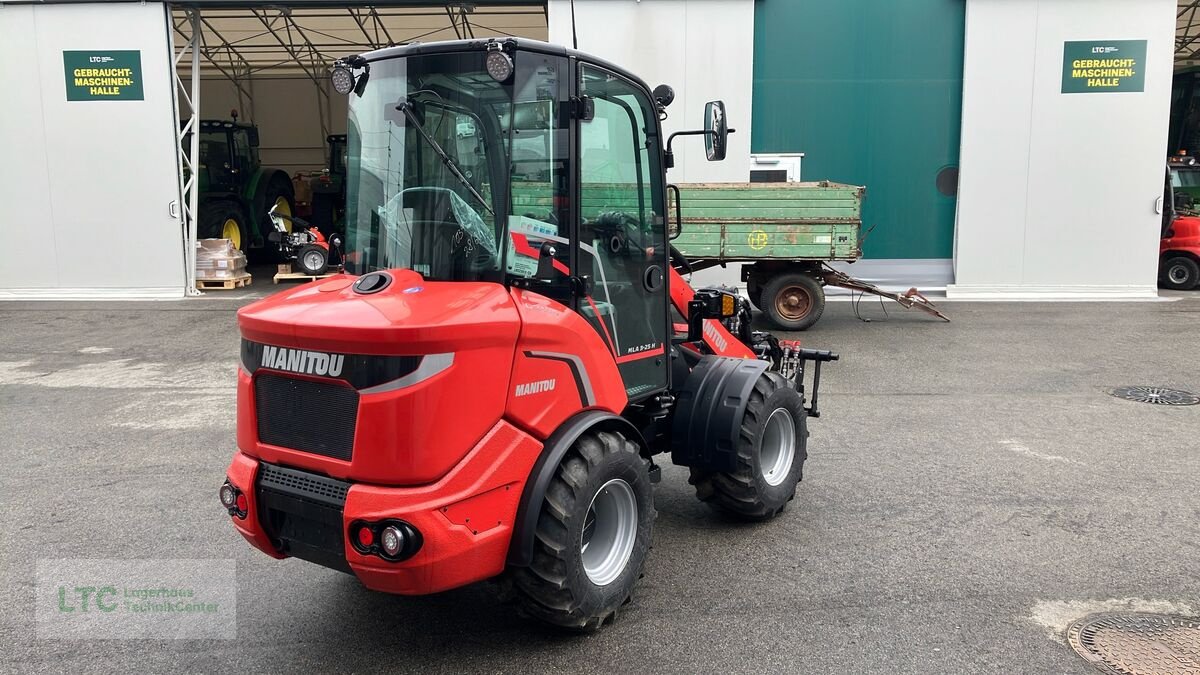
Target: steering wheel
{"x":614,"y":228}
{"x":465,"y":247}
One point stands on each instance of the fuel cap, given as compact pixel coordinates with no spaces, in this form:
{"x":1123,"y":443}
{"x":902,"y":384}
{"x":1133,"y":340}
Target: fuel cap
{"x":372,"y":282}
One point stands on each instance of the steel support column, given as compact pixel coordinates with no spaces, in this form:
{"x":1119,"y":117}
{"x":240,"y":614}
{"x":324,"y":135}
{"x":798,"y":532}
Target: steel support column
{"x":189,"y":133}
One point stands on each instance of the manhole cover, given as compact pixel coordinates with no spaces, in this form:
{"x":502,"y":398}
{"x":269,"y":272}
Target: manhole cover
{"x":1156,"y":395}
{"x":1135,"y":642}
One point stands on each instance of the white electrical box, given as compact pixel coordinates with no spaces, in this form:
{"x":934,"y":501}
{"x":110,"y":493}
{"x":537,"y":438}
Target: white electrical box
{"x":776,"y":167}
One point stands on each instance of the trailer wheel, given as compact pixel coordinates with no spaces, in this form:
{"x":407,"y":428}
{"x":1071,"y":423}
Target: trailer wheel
{"x":793,"y":301}
{"x":1180,"y":273}
{"x":771,"y":449}
{"x":592,"y":537}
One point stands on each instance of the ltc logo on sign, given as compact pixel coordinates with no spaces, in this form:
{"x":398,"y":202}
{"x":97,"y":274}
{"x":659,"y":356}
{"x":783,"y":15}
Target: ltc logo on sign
{"x":757,"y":240}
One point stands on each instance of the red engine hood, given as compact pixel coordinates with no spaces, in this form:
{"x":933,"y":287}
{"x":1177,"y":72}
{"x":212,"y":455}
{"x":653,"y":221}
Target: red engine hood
{"x":403,"y":434}
{"x":409,"y":316}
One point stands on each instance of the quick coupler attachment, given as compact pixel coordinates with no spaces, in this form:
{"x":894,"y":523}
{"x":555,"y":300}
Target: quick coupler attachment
{"x":793,"y":366}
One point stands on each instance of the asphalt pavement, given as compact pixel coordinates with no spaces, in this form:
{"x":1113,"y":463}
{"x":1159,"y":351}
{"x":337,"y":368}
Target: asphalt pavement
{"x":971,"y":489}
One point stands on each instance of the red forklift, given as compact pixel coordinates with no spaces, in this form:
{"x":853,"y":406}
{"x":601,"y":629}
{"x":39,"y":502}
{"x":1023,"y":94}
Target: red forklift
{"x":486,"y":391}
{"x":1179,"y":246}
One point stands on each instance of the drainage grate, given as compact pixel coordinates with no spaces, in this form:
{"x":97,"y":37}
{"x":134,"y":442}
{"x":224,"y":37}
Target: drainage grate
{"x":1156,"y":395}
{"x":1134,"y":642}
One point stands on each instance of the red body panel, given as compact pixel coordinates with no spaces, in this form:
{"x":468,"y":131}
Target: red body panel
{"x":407,"y":436}
{"x":1185,"y":237}
{"x":451,"y":453}
{"x":466,"y":518}
{"x":560,"y":367}
{"x":420,"y":317}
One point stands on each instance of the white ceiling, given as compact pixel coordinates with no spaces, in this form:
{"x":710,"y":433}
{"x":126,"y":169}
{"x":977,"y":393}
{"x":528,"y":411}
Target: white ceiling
{"x":243,"y":42}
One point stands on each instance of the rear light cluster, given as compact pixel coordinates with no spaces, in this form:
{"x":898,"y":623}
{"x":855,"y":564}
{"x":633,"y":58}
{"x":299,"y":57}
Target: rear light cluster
{"x":392,"y":540}
{"x":234,"y":500}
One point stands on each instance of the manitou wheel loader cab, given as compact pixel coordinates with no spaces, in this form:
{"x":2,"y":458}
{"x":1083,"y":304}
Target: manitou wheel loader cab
{"x":488,"y":389}
{"x":235,"y":190}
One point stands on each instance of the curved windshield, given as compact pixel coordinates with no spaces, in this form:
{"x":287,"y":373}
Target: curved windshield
{"x":432,"y":147}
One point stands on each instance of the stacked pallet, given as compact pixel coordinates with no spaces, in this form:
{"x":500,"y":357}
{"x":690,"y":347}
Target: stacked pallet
{"x":219,"y":265}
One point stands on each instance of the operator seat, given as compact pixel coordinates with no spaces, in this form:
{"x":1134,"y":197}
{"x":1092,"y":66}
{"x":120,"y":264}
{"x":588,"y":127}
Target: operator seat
{"x":433,"y":228}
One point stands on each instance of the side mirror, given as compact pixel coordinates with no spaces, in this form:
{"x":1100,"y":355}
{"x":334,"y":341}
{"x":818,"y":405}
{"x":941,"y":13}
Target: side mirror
{"x":252,"y":136}
{"x":716,"y":131}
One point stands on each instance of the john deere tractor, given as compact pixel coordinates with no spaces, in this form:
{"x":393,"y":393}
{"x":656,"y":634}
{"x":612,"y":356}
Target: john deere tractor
{"x":236,"y":191}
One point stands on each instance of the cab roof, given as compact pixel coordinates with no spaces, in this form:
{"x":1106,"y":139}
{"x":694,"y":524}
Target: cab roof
{"x":517,"y":44}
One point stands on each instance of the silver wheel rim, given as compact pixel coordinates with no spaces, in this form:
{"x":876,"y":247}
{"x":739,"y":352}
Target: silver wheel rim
{"x":778,"y":447}
{"x":1177,"y":274}
{"x":609,"y":532}
{"x":312,"y":260}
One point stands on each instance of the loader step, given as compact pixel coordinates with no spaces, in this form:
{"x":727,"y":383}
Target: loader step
{"x":224,"y":284}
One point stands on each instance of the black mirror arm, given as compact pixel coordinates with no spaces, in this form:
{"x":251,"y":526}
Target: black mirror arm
{"x":669,"y":155}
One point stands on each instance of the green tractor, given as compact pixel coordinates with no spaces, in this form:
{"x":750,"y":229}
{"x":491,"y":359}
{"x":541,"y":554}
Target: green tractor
{"x":329,"y":188}
{"x":235,"y":190}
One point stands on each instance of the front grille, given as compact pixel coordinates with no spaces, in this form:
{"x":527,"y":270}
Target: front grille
{"x":302,"y":513}
{"x":316,"y":417}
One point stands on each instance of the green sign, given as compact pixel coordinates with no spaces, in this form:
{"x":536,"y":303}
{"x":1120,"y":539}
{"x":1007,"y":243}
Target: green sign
{"x":1102,"y":67}
{"x":103,"y":76}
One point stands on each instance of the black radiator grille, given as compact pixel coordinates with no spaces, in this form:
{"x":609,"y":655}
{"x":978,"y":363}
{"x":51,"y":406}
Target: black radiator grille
{"x":314,"y":417}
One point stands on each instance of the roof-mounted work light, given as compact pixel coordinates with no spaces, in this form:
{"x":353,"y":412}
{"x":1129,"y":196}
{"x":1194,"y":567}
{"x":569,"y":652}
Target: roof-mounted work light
{"x":499,"y":65}
{"x":342,"y":79}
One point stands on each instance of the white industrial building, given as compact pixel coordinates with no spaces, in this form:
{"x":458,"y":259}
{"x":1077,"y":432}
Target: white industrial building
{"x":1058,"y":194}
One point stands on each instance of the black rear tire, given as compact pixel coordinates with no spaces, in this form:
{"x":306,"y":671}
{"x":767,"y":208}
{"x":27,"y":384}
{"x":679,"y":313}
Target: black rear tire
{"x":793,"y":301}
{"x":214,"y":216}
{"x":312,"y":260}
{"x":556,"y":587}
{"x":754,"y":293}
{"x":1180,"y":273}
{"x":753,"y":491}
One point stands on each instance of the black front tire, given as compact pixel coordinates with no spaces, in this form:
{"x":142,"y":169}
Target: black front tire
{"x":555,"y":587}
{"x":1180,"y":273}
{"x":752,"y":491}
{"x":312,"y":260}
{"x":793,"y":301}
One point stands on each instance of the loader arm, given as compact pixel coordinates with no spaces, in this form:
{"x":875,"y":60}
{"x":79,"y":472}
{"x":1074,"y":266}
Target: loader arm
{"x":718,"y":339}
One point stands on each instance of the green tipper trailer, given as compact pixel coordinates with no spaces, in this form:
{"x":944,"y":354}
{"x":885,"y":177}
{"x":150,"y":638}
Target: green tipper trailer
{"x":784,"y":233}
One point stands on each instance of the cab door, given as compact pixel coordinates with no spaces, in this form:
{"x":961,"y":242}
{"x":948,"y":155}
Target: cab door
{"x":621,"y":239}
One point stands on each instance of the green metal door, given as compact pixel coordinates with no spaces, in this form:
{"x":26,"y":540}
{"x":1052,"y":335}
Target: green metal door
{"x":871,"y":92}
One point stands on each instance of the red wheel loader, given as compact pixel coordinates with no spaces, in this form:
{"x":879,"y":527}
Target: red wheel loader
{"x":486,"y":391}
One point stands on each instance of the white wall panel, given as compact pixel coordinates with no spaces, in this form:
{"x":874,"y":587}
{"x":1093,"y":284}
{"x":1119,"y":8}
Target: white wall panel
{"x":702,"y":48}
{"x":86,"y":204}
{"x":1057,"y":192}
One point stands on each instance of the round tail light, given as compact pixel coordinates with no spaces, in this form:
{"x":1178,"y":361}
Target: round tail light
{"x":391,"y":540}
{"x":228,"y":496}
